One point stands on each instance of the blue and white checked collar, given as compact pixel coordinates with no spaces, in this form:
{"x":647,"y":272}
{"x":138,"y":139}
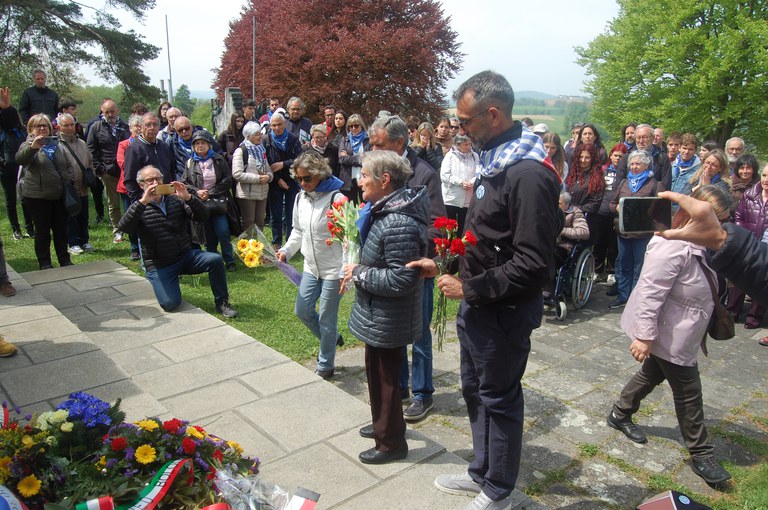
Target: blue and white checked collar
{"x":528,"y":146}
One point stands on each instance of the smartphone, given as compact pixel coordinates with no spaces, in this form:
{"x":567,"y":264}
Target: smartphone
{"x":52,"y":140}
{"x":165,"y":189}
{"x":644,"y":215}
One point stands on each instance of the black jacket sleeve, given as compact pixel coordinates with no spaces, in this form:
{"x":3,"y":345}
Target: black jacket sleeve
{"x":750,"y":273}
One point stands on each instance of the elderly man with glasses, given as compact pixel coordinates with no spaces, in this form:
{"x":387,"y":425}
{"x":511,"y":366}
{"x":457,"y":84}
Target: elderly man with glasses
{"x":147,"y":150}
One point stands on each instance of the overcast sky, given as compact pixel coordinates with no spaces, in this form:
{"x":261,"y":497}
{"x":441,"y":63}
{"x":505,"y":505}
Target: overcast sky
{"x":530,"y":43}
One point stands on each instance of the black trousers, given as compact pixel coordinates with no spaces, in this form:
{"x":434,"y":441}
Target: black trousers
{"x":97,"y":191}
{"x":457,"y":213}
{"x":382,"y":368}
{"x":606,"y":247}
{"x":686,"y":391}
{"x":495,"y":342}
{"x":49,"y":216}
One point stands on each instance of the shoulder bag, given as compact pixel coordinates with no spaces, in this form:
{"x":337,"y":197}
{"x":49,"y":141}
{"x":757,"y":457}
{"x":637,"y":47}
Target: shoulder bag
{"x":89,"y":178}
{"x":69,"y":194}
{"x":721,"y":323}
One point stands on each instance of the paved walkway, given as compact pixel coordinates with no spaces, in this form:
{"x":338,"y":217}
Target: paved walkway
{"x":97,"y":327}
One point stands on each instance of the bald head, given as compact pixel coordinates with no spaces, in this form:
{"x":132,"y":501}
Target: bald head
{"x":109,"y":111}
{"x":183,"y":127}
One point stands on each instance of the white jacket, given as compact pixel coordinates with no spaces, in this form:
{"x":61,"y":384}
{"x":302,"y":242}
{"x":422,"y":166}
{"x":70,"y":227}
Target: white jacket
{"x":247,"y":177}
{"x":457,"y":168}
{"x":310,"y":230}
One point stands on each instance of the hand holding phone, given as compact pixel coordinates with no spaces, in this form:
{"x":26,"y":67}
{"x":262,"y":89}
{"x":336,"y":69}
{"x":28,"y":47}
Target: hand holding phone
{"x":165,"y":189}
{"x":644,"y":215}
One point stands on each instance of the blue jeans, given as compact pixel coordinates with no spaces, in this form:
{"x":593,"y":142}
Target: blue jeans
{"x":217,"y":233}
{"x":281,"y":206}
{"x":421,"y":354}
{"x":323,"y":321}
{"x":165,"y":280}
{"x":77,"y":226}
{"x":629,"y":263}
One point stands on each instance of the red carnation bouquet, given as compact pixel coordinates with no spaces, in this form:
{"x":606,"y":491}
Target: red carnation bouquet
{"x":342,"y":224}
{"x":448,"y":248}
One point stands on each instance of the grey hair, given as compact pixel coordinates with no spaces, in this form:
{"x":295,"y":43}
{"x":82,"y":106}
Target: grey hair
{"x":735,"y":139}
{"x":566,"y":198}
{"x":313,"y":163}
{"x":643,"y":126}
{"x":394,"y":126}
{"x":148,"y":115}
{"x":134,"y":120}
{"x":356,"y":117}
{"x":277,"y":116}
{"x":640,"y":154}
{"x":251,"y":128}
{"x":140,"y":173}
{"x":295,"y":99}
{"x":65,"y":116}
{"x":490,"y":89}
{"x":377,"y":163}
{"x":316,"y":128}
{"x":173,"y":108}
{"x":459,"y":139}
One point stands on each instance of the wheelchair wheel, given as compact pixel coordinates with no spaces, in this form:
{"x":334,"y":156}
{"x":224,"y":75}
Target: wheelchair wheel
{"x":561,"y":310}
{"x":583,"y":279}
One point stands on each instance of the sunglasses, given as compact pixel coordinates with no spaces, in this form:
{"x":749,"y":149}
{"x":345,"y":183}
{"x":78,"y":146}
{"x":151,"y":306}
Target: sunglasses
{"x":354,"y":126}
{"x":184,"y":129}
{"x":306,"y":179}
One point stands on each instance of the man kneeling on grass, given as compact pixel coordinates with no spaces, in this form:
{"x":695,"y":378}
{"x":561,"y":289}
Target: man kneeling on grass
{"x":161,"y":219}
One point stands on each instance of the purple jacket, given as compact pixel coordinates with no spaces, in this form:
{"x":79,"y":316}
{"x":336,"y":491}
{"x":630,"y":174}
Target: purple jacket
{"x":752,"y":211}
{"x":672,"y":302}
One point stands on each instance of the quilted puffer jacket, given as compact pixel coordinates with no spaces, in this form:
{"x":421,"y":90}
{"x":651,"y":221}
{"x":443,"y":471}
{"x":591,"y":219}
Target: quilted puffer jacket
{"x":752,"y":211}
{"x":387,"y":309}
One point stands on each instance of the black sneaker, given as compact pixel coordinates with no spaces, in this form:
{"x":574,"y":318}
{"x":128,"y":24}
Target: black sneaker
{"x":135,"y":255}
{"x":627,"y":427}
{"x":418,"y":409}
{"x":325,"y":374}
{"x":710,"y":470}
{"x":30,"y":233}
{"x":613,"y":290}
{"x":226,"y":310}
{"x":17,"y":234}
{"x":616,"y":303}
{"x":340,"y":341}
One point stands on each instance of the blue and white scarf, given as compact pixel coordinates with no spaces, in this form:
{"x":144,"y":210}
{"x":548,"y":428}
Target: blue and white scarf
{"x":636,"y":181}
{"x":357,"y":141}
{"x":185,"y":146}
{"x":207,"y":156}
{"x":528,"y":146}
{"x":280,"y":141}
{"x":49,"y":150}
{"x":682,"y":166}
{"x":257,"y":152}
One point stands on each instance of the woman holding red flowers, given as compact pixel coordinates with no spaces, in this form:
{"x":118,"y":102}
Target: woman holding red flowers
{"x":586,"y":184}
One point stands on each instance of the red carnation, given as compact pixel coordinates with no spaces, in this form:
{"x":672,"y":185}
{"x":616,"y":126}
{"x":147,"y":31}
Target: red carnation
{"x":119,"y":444}
{"x":188,"y":445}
{"x":218,"y":455}
{"x":172,"y":426}
{"x":451,"y":225}
{"x":440,"y":222}
{"x":457,"y":247}
{"x":470,"y":238}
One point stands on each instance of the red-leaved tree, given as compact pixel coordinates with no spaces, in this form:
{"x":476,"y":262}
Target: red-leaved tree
{"x":362,"y":56}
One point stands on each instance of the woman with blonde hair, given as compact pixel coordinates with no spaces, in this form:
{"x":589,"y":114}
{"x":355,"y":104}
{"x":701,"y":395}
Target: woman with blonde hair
{"x":351,"y":150}
{"x":714,"y":170}
{"x":426,"y":147}
{"x":556,"y":153}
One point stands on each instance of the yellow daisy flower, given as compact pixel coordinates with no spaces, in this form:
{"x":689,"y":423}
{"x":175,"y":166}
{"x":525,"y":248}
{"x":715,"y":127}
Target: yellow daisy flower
{"x":148,"y":425}
{"x":242,"y":245}
{"x":145,"y":454}
{"x":255,"y":244}
{"x":29,"y":486}
{"x":102,"y":461}
{"x":28,"y":441}
{"x":235,"y":446}
{"x":192,"y":431}
{"x":251,"y":259}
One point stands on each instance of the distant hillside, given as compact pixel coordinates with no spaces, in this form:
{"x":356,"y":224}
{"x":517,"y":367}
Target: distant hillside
{"x":533,"y":94}
{"x":202,"y":94}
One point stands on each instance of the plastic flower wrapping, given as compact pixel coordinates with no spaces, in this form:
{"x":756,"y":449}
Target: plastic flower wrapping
{"x":448,"y":249}
{"x":342,"y":224}
{"x":255,"y":250}
{"x":85,"y":452}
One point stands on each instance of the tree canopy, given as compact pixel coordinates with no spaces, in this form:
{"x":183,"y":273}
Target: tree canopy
{"x":182,"y":100}
{"x":362,"y":56}
{"x":686,"y":65}
{"x":55,"y":36}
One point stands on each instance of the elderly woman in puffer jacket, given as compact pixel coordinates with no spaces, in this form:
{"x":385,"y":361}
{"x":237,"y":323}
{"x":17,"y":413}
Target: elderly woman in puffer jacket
{"x":78,"y":154}
{"x":457,"y":174}
{"x":322,"y":260}
{"x":751,"y":214}
{"x":386,"y":315}
{"x":46,"y":168}
{"x":252,"y":174}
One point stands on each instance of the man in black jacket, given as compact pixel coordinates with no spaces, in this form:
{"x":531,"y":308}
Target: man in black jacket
{"x":515,"y":218}
{"x":391,"y":133}
{"x":103,"y":138}
{"x":38,"y":99}
{"x":147,"y":150}
{"x":161,"y":221}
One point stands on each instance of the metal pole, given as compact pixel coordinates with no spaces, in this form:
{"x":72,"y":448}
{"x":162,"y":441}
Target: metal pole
{"x":168,"y":46}
{"x":253,"y":62}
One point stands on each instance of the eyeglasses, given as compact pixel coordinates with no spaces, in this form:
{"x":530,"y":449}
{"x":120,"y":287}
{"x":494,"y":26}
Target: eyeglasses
{"x":41,"y":126}
{"x":151,"y":124}
{"x":463,"y":123}
{"x":354,"y":126}
{"x":306,"y":179}
{"x":184,"y":129}
{"x":454,"y":127}
{"x":152,"y":179}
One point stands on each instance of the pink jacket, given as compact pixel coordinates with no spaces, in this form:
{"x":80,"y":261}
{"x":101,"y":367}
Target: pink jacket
{"x":672,"y":302}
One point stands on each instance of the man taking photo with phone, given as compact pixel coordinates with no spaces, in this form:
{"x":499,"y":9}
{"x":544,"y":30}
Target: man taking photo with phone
{"x":161,"y":221}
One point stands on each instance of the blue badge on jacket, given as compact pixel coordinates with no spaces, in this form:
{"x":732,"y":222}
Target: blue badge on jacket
{"x":480,"y":192}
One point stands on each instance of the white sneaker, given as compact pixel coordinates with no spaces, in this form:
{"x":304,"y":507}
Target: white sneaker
{"x":460,"y":485}
{"x":483,"y":502}
{"x":118,"y":238}
{"x":610,"y":280}
{"x":75,"y":250}
{"x":88,"y":247}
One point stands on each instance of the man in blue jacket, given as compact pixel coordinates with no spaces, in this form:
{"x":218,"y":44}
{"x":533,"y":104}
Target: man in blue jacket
{"x":515,"y":218}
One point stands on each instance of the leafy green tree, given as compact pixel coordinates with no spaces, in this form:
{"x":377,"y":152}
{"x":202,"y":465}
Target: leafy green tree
{"x":55,"y":35}
{"x":183,"y":101}
{"x":686,"y":65}
{"x":201,"y":115}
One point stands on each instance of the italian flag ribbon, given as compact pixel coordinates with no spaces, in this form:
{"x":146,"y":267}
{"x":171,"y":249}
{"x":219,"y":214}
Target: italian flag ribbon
{"x":6,"y":416}
{"x":102,"y":503}
{"x":8,"y":500}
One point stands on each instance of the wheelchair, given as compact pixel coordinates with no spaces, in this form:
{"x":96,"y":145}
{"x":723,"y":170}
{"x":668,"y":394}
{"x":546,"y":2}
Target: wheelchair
{"x":574,"y":280}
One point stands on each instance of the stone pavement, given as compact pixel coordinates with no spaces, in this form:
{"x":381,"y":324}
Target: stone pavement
{"x":97,"y":327}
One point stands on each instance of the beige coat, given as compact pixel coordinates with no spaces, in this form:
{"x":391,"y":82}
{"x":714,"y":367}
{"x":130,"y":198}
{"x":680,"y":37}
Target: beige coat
{"x":247,"y":177}
{"x":81,"y":149}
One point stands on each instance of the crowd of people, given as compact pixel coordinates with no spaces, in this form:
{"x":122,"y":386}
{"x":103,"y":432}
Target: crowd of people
{"x":172,"y":189}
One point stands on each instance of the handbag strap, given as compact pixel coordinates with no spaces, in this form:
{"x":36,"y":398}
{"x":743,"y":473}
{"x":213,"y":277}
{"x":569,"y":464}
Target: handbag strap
{"x":74,"y":155}
{"x":710,"y":280}
{"x":58,"y":170}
